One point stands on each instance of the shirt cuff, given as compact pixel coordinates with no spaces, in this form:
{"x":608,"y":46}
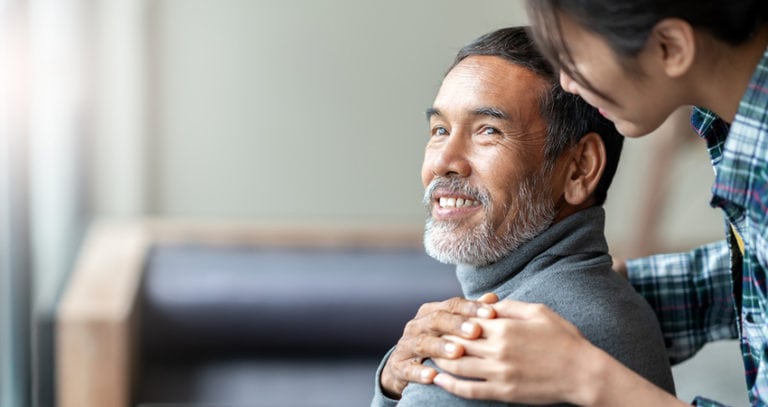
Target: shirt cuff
{"x":704,"y":402}
{"x":379,"y":399}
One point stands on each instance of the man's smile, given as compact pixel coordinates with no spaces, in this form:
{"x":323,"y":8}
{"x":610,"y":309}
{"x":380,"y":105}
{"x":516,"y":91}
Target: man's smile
{"x":447,"y":205}
{"x":451,"y":202}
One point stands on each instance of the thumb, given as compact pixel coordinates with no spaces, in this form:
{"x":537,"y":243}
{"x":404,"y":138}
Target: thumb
{"x":620,"y":267}
{"x":516,"y":309}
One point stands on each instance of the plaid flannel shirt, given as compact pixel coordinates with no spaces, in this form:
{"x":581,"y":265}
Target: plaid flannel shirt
{"x":692,"y":293}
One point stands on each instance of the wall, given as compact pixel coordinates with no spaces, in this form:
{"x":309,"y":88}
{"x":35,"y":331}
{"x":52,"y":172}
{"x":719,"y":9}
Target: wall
{"x":300,"y":109}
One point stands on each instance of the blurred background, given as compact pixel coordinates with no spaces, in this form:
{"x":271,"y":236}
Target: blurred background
{"x":243,"y":110}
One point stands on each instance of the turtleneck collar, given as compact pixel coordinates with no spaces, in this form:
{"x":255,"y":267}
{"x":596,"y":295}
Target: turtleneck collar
{"x":577,"y":239}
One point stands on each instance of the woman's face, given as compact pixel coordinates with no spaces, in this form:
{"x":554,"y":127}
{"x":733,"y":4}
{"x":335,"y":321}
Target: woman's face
{"x":636,"y":101}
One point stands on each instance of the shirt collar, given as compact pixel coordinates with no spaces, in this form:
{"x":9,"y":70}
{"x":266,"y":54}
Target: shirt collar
{"x":728,"y":154}
{"x":577,"y":238}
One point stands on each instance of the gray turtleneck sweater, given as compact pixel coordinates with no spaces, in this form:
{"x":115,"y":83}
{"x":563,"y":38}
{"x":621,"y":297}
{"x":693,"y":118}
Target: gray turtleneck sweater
{"x":567,"y":268}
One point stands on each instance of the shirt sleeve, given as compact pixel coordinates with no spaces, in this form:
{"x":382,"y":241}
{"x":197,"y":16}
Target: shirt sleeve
{"x":379,"y":399}
{"x":691,"y":294}
{"x":703,"y":402}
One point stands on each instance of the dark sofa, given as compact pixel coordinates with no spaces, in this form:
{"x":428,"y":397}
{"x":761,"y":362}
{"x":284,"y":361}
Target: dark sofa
{"x":258,"y":315}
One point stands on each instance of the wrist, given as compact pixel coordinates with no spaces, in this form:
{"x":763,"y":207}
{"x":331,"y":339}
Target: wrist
{"x":606,"y":382}
{"x":593,"y":374}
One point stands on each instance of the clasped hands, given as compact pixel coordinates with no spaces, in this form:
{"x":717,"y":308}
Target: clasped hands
{"x":521,"y":352}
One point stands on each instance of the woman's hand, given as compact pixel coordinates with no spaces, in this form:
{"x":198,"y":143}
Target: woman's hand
{"x":530,"y":354}
{"x":423,"y":337}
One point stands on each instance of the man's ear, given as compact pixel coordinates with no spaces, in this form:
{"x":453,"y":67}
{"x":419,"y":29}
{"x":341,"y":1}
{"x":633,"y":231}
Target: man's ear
{"x":673,"y":43}
{"x":586,"y":165}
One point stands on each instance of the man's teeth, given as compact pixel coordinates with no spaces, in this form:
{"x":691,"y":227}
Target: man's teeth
{"x":457,"y":202}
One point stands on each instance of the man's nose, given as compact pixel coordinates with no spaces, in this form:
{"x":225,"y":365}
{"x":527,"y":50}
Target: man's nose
{"x":568,"y":84}
{"x":451,"y":157}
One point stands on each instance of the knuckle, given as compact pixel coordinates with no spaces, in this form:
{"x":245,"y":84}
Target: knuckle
{"x":426,"y":308}
{"x":405,"y":348}
{"x":410,"y":327}
{"x":458,"y":305}
{"x":538,"y":309}
{"x":422,"y":309}
{"x":452,"y":304}
{"x":504,"y":351}
{"x":472,"y":392}
{"x":420,"y":345}
{"x":507,"y":330}
{"x":437,"y":322}
{"x":399,"y":355}
{"x":509,"y":390}
{"x":416,"y":375}
{"x":510,"y":373}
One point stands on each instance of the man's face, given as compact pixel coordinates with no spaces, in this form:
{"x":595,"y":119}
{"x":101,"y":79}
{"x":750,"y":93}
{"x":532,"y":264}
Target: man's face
{"x":486,"y":190}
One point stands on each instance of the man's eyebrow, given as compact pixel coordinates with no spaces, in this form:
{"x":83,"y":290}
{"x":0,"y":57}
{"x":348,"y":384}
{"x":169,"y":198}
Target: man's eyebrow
{"x":481,"y":111}
{"x":431,"y":111}
{"x":492,"y":112}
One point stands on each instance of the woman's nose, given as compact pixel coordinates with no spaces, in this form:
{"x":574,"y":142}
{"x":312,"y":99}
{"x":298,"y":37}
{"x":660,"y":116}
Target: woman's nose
{"x":568,"y":84}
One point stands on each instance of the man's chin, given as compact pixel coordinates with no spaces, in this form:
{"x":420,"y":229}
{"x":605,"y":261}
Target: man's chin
{"x":453,"y":247}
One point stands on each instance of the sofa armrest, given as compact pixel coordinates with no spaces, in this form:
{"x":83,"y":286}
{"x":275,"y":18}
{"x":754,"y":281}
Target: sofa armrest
{"x":95,"y":335}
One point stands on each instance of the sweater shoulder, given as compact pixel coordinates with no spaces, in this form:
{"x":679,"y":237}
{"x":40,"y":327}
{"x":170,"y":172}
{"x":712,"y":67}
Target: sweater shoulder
{"x":608,"y":312}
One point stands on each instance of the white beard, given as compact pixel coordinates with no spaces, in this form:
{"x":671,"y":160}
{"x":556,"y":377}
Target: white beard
{"x":454,"y":243}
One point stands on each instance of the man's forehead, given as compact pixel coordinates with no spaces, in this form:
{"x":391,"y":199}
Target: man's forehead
{"x":486,"y":84}
{"x":496,"y":69}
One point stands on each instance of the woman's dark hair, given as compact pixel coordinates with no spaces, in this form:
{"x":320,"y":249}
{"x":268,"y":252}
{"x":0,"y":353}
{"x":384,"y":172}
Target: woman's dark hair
{"x":626,"y":24}
{"x":568,"y":117}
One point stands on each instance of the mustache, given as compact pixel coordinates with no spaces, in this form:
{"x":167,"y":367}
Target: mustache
{"x":458,"y":186}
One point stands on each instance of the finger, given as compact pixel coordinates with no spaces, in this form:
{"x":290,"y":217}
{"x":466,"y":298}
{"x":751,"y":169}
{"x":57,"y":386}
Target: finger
{"x":525,"y":317}
{"x":479,"y":347}
{"x":425,"y":346}
{"x":463,"y":306}
{"x":519,"y":309}
{"x":442,"y":323}
{"x":459,"y":306}
{"x":489,"y":298}
{"x":468,"y":366}
{"x":427,"y":308}
{"x":414,"y":371}
{"x":401,"y":373}
{"x":397,"y":373}
{"x":470,"y":389}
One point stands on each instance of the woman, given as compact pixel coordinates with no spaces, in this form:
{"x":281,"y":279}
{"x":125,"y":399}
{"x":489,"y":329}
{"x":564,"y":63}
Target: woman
{"x":637,"y":61}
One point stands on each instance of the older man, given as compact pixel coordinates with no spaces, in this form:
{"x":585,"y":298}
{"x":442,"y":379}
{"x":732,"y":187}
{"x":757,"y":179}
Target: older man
{"x":516,"y":172}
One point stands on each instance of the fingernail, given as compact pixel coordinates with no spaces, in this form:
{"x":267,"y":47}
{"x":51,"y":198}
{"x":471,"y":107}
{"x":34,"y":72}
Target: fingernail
{"x":484,"y":312}
{"x":425,"y":374}
{"x":468,"y":328}
{"x":450,"y":348}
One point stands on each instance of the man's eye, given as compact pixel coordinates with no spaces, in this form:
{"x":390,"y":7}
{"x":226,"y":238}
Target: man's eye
{"x":490,"y":131}
{"x":439,"y":131}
